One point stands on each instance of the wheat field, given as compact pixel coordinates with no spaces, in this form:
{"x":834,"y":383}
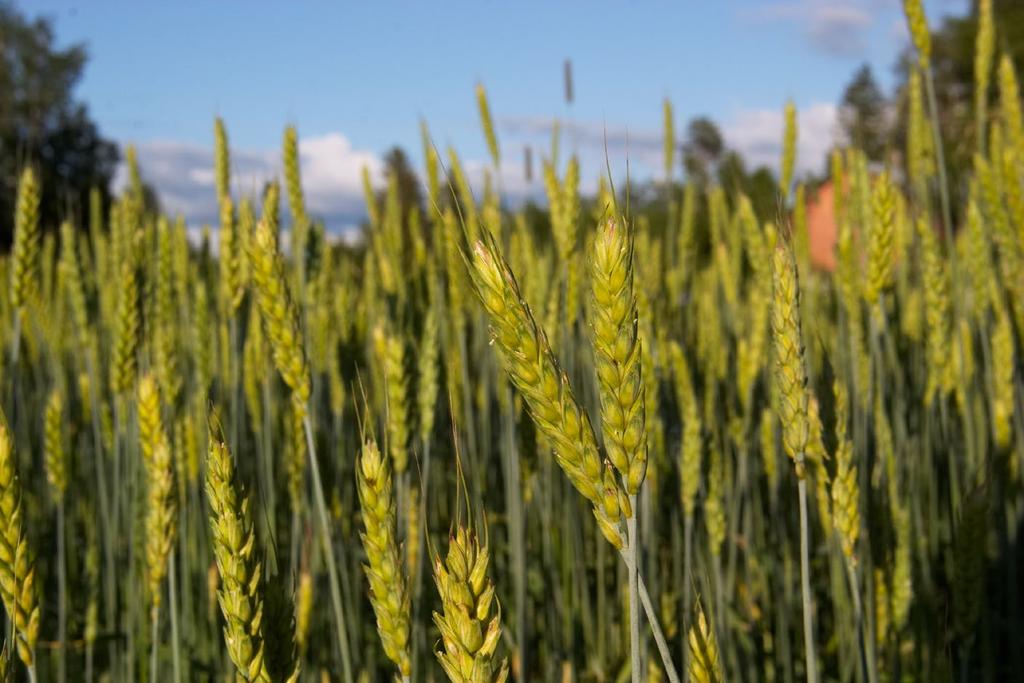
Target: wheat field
{"x":588,"y":443}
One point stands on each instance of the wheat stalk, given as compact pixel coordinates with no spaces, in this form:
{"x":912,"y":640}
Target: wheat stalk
{"x":126,"y":331}
{"x":470,"y":617}
{"x":277,"y":312}
{"x":17,"y":559}
{"x":238,"y":565}
{"x":389,"y":584}
{"x":705,"y":666}
{"x":788,"y":150}
{"x":281,"y":324}
{"x":25,"y":252}
{"x":391,"y":355}
{"x":221,"y":160}
{"x":983,"y":55}
{"x":279,"y":632}
{"x":917,"y":24}
{"x":617,"y":354}
{"x":881,"y":239}
{"x":53,"y":446}
{"x":536,"y":374}
{"x":488,"y":125}
{"x":793,"y":407}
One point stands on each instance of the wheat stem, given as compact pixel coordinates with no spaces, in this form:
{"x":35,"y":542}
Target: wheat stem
{"x":630,"y":551}
{"x":234,"y":371}
{"x":858,"y":613}
{"x":332,"y":570}
{"x":15,"y":340}
{"x":109,"y":580}
{"x":805,"y":584}
{"x":947,"y":220}
{"x":687,"y":584}
{"x":62,"y":596}
{"x":172,"y":600}
{"x":513,"y":493}
{"x":417,"y":580}
{"x":154,"y":637}
{"x":659,"y":635}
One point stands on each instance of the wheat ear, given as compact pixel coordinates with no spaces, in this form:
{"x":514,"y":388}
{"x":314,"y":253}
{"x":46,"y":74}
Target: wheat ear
{"x":389,"y":586}
{"x":704,"y":665}
{"x":617,"y":354}
{"x":17,"y":559}
{"x":238,"y":565}
{"x":278,"y":312}
{"x":536,"y":374}
{"x":470,"y":620}
{"x":793,"y":407}
{"x":25,"y":252}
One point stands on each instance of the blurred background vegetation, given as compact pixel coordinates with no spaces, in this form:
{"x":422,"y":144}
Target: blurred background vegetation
{"x":43,"y":123}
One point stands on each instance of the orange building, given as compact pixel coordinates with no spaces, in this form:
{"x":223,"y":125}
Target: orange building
{"x":822,"y":231}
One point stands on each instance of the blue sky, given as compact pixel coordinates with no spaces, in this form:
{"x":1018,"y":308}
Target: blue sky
{"x":356,"y":78}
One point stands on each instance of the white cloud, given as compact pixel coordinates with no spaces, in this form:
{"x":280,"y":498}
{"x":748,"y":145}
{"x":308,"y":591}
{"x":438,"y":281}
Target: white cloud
{"x":183,"y":176}
{"x":639,"y":143}
{"x":757,"y":135}
{"x":834,"y":27}
{"x":597,"y":144}
{"x":839,"y":29}
{"x":332,"y":172}
{"x":511,"y":179}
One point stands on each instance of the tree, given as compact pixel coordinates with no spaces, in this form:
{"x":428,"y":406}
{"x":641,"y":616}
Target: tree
{"x":41,"y":124}
{"x":398,"y":169}
{"x":396,"y":163}
{"x":759,"y":186}
{"x":763,"y":190}
{"x":862,"y":114}
{"x":732,"y":172}
{"x":953,"y":46}
{"x":704,"y":145}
